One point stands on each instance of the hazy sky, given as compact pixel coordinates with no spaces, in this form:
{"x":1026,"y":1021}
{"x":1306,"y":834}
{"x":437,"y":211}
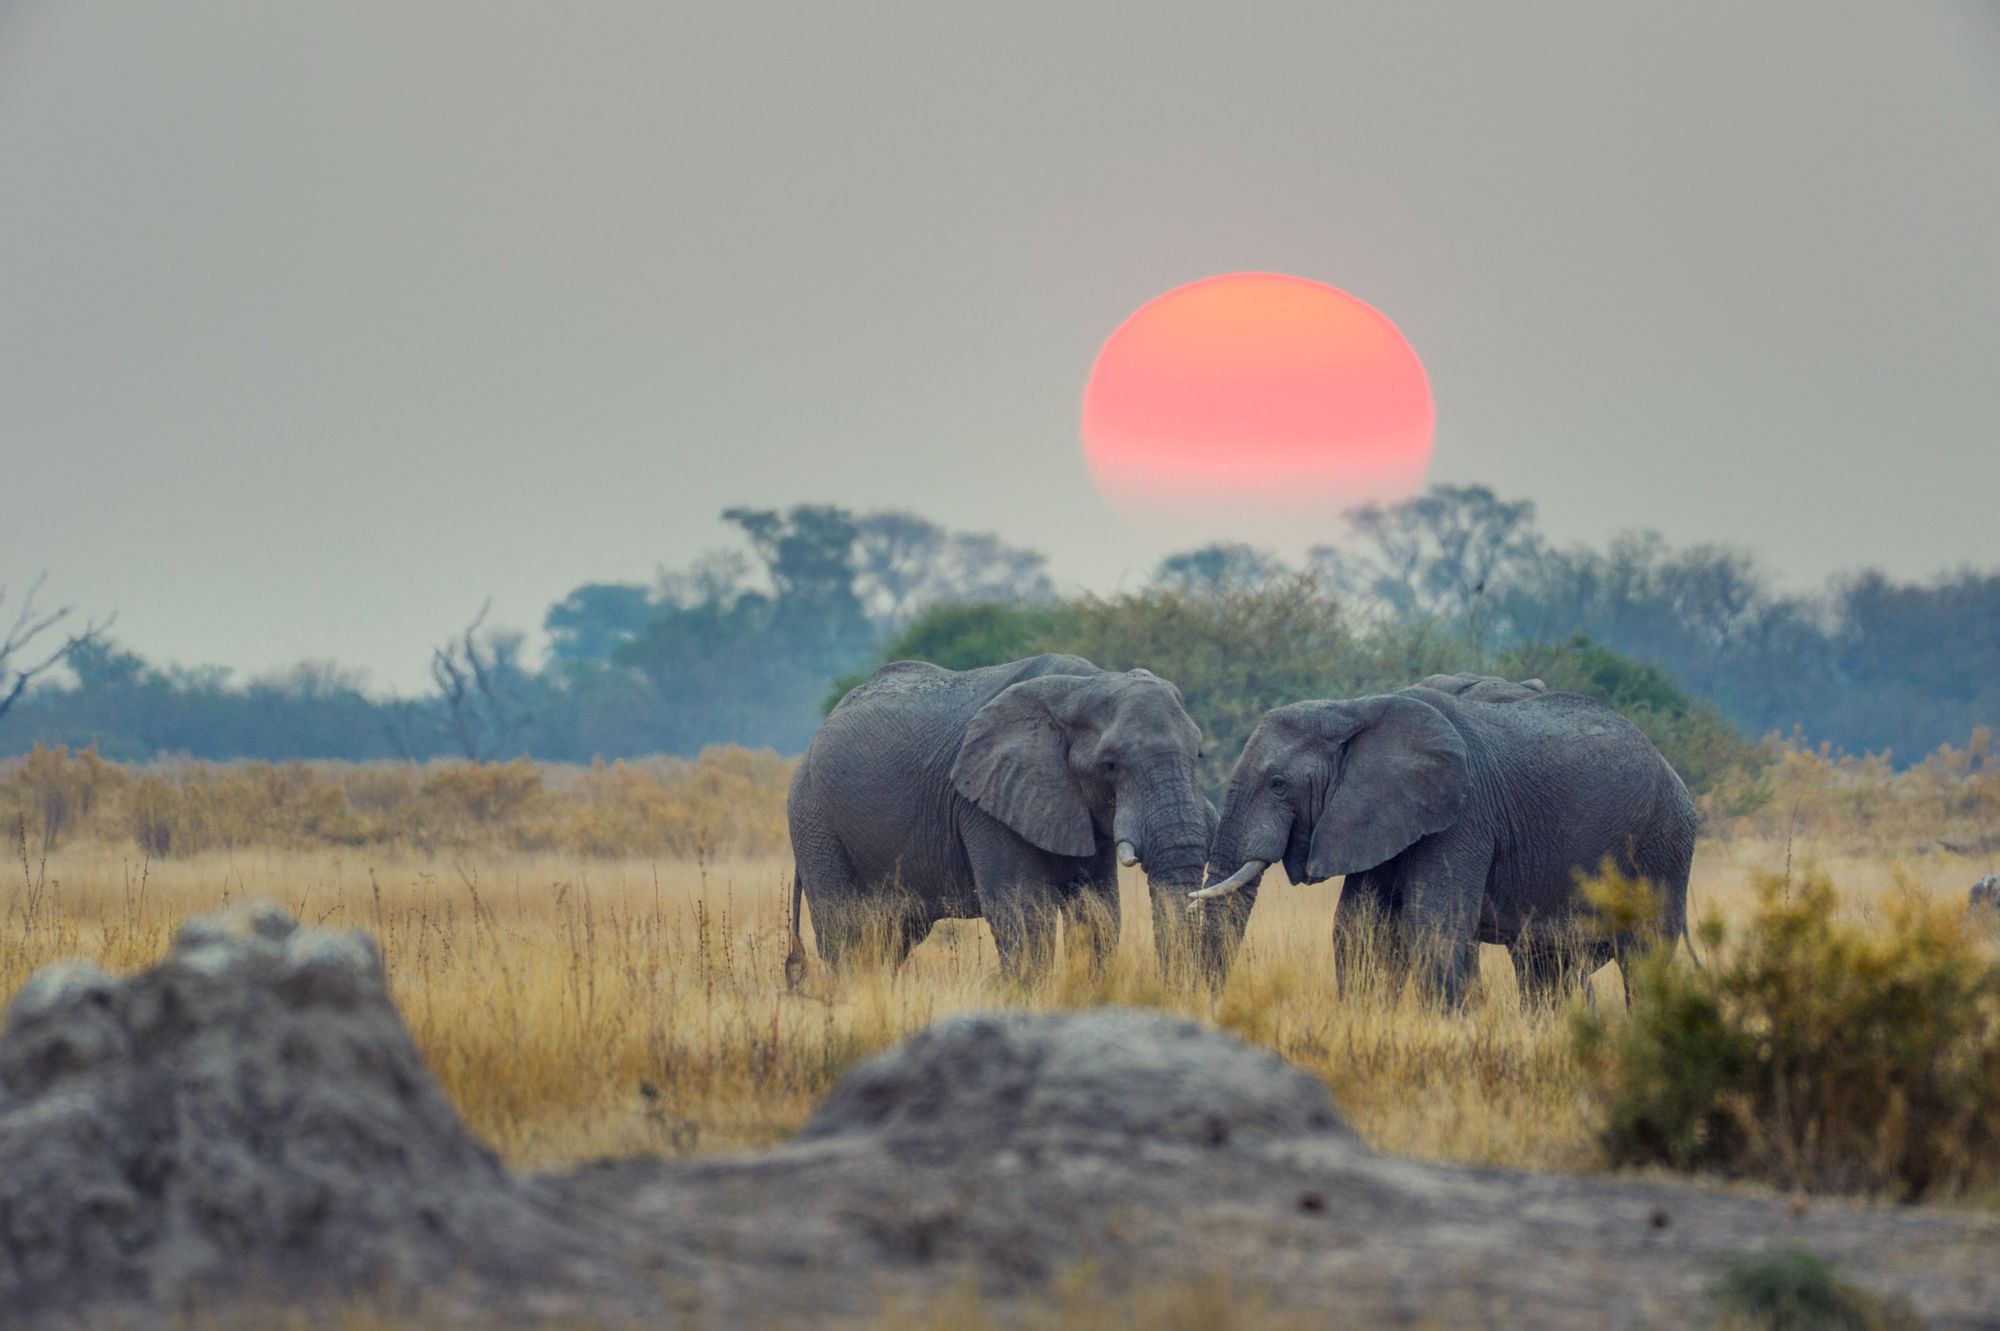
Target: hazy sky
{"x":320,"y":323}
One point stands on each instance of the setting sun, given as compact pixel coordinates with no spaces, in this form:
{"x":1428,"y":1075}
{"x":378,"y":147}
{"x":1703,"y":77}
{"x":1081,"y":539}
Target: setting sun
{"x":1257,"y":383}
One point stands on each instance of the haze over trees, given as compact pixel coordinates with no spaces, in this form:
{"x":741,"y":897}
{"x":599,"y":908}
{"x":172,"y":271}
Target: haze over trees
{"x":748,"y":643}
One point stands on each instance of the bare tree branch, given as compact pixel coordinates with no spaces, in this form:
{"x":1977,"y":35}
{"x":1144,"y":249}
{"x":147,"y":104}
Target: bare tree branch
{"x":28,"y":626}
{"x":479,"y":710}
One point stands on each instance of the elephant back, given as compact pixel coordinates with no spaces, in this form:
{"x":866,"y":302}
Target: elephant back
{"x":1570,"y":738}
{"x":897,"y":681}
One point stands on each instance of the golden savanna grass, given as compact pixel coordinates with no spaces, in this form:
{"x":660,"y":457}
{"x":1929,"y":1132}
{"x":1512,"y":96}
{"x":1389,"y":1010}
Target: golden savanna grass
{"x":578,"y":1004}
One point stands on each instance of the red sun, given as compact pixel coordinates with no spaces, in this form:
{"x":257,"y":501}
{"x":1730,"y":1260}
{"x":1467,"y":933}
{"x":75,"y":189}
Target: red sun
{"x":1257,"y":385}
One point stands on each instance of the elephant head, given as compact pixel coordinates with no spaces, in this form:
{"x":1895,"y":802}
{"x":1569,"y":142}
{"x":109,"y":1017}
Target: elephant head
{"x":1335,"y":788}
{"x":1074,"y":763}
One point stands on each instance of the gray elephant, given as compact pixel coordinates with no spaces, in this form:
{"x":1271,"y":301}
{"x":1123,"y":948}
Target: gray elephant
{"x":1011,"y":792}
{"x":1483,"y":688}
{"x":1459,"y":815}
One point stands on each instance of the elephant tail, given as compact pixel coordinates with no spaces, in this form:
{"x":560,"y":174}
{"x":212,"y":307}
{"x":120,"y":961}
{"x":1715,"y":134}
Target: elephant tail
{"x":795,"y":958}
{"x":1688,"y":939}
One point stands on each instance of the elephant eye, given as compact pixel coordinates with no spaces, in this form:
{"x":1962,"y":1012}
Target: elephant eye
{"x":1111,"y":767}
{"x":1279,"y":785}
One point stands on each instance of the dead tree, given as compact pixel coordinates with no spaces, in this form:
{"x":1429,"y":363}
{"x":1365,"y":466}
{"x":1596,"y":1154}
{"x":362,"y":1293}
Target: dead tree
{"x":480,"y":706}
{"x":20,"y":663}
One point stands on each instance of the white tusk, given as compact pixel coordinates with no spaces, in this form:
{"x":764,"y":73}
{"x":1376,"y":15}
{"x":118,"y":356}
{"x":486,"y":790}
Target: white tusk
{"x":1240,"y":879}
{"x":1127,"y":856}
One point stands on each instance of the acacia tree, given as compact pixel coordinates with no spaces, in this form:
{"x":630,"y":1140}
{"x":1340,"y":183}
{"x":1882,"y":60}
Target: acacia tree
{"x":1455,"y":553}
{"x":1224,"y":566}
{"x":25,"y":654}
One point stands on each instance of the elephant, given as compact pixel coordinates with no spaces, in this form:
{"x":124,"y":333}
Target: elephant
{"x":1482,"y":688}
{"x":1459,"y":815}
{"x":1013,"y":792}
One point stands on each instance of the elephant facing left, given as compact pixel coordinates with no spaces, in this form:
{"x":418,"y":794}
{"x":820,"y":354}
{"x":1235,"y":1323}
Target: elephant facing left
{"x":1011,"y":792}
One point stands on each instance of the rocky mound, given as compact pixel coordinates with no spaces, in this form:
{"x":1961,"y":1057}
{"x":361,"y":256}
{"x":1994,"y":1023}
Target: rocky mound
{"x":250,"y":1114}
{"x":1089,"y":1080}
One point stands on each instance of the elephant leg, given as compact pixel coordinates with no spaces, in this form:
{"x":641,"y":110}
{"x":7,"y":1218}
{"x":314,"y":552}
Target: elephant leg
{"x":830,"y":887}
{"x":1024,"y":933}
{"x":1443,"y":884}
{"x":1367,"y":933}
{"x":1544,"y":970}
{"x":1017,"y":895}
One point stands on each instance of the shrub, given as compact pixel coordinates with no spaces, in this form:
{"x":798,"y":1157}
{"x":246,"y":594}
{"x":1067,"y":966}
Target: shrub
{"x":58,"y":790}
{"x":1237,"y":649}
{"x":727,"y":801}
{"x":1789,"y":1290}
{"x":965,"y":635}
{"x":1950,"y":801}
{"x":1812,"y":1052}
{"x":1235,"y":653}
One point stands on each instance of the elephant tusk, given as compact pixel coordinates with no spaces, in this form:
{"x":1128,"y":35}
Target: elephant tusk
{"x":1127,"y":855}
{"x":1240,"y":879}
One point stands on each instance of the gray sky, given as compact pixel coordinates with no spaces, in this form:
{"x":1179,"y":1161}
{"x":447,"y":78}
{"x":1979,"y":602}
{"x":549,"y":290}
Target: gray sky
{"x":319,"y":324}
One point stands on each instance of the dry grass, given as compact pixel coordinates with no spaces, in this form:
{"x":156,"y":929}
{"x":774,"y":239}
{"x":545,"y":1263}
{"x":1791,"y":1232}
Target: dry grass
{"x":576,"y":1008}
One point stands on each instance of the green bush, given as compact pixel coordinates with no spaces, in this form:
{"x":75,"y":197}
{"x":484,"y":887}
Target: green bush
{"x":1812,"y":1052}
{"x":1237,"y":649}
{"x":1235,"y":652}
{"x":1790,"y":1290}
{"x":966,"y":635}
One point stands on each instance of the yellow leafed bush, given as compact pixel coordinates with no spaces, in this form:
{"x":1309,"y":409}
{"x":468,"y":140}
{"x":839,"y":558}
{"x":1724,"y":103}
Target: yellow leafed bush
{"x":1815,"y":1051}
{"x":727,"y":801}
{"x":1950,"y":800}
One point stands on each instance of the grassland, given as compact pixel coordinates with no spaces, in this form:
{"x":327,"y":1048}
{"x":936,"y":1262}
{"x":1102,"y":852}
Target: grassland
{"x":579,"y":1007}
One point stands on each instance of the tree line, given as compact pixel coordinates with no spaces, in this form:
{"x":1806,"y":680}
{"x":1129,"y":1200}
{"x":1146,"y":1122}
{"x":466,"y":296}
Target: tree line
{"x":749,"y":643}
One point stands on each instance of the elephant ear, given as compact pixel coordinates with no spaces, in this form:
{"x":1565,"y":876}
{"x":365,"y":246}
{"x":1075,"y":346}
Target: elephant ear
{"x":1014,"y":764}
{"x":1402,"y":777}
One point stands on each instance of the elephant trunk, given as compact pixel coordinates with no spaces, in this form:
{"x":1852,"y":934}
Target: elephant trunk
{"x":1172,"y":826}
{"x":1220,"y":912}
{"x":1173,"y":829}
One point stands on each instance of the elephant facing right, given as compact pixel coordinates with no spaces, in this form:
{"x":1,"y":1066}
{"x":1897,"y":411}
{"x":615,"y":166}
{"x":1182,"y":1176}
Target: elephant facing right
{"x":1462,"y":810}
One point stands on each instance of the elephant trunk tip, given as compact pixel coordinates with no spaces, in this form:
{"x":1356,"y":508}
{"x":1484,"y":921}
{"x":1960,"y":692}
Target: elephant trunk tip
{"x":1128,"y":854}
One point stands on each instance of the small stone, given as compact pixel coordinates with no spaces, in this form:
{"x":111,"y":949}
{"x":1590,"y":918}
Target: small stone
{"x":199,"y":931}
{"x":323,"y":966}
{"x":267,"y":919}
{"x":208,"y":954}
{"x":57,"y":986}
